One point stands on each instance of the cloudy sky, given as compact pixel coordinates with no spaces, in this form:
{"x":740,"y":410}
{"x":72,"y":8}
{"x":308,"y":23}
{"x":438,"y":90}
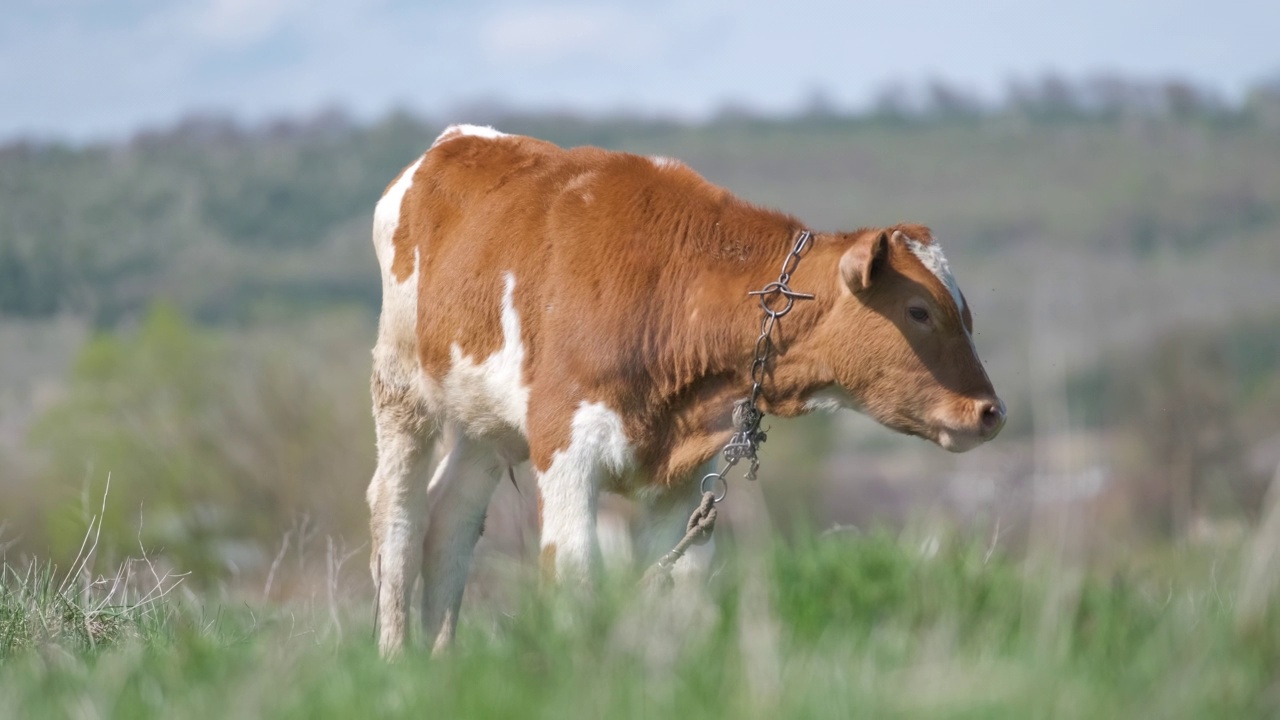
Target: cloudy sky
{"x":84,"y":69}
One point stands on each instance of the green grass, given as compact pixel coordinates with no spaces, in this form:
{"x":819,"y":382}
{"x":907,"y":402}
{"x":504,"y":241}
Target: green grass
{"x":847,"y":626}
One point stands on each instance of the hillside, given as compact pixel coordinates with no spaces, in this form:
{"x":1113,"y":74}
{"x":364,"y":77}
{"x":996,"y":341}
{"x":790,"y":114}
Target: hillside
{"x":1121,"y":269}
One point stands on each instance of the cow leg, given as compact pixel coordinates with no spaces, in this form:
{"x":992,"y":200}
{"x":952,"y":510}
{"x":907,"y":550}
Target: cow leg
{"x":663,"y":523}
{"x":567,"y":500}
{"x":458,"y":496}
{"x":398,"y":512}
{"x":569,"y":480}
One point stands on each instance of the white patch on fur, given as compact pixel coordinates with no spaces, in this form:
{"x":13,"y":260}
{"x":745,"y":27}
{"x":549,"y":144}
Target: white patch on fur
{"x":581,"y":184}
{"x":663,"y":162}
{"x":831,"y":399}
{"x":598,"y":446}
{"x":488,"y":396}
{"x":386,"y":218}
{"x":463,"y":130}
{"x":395,"y":353}
{"x":932,"y":258}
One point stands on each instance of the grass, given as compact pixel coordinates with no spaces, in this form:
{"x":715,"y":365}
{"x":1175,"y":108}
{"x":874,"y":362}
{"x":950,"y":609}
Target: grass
{"x":846,"y":626}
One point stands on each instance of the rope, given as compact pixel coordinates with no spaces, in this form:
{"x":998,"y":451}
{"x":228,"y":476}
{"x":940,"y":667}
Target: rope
{"x":697,"y":532}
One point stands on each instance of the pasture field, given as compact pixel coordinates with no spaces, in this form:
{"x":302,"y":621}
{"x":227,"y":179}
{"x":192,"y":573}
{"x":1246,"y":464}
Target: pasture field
{"x":839,"y":625}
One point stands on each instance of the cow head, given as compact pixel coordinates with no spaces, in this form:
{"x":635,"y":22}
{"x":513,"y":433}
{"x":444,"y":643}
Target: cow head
{"x":899,"y":342}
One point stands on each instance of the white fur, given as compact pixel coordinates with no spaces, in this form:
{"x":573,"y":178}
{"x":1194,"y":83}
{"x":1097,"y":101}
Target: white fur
{"x":455,"y":131}
{"x":570,"y":487}
{"x":830,"y":399}
{"x":581,"y":184}
{"x":491,"y":395}
{"x":662,"y":162}
{"x":932,"y":258}
{"x":397,"y":495}
{"x":395,"y":354}
{"x":397,"y":498}
{"x":386,"y":216}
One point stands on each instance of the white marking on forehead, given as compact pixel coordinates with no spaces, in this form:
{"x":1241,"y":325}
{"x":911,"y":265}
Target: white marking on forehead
{"x":661,"y":161}
{"x":932,"y":258}
{"x":457,"y":131}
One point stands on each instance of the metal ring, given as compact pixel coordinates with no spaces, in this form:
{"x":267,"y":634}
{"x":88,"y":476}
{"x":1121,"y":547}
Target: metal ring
{"x":714,"y":476}
{"x":770,"y":291}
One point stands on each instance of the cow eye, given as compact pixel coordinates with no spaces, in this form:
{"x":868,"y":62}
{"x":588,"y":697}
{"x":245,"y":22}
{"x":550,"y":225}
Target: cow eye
{"x":918,"y":314}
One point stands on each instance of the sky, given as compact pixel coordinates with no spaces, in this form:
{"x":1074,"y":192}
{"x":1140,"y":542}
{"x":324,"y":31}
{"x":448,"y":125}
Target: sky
{"x":99,"y":69}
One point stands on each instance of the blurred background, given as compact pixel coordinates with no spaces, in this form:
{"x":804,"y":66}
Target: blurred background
{"x":188,"y":294}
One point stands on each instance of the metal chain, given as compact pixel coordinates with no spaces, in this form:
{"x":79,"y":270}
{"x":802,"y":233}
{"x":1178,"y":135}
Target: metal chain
{"x":746,"y":440}
{"x":746,"y":418}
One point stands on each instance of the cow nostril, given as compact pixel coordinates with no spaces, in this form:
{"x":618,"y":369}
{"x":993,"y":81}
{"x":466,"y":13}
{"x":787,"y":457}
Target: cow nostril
{"x":991,"y":416}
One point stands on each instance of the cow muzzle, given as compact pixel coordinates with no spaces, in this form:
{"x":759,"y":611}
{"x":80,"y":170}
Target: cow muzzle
{"x":981,"y":421}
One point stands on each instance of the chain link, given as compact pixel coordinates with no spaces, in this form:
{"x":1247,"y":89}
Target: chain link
{"x":745,"y":442}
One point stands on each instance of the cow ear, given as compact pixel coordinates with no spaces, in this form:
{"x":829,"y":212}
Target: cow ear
{"x":860,"y":263}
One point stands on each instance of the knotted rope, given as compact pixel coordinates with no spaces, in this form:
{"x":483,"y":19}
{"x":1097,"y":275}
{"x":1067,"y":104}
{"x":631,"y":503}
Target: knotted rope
{"x":697,"y":532}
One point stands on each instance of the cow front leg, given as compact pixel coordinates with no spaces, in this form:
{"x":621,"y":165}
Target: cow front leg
{"x":570,"y":474}
{"x":567,"y":502}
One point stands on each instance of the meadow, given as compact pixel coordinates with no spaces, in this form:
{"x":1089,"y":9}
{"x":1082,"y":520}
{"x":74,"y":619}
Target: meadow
{"x":833,"y":625}
{"x":185,"y":437}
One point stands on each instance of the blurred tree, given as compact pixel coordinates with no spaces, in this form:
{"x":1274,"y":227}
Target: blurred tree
{"x":1051,"y":97}
{"x":1263,"y":103}
{"x":1178,"y":412}
{"x":818,"y":106}
{"x":1185,"y":100}
{"x":893,"y":103}
{"x":213,"y":446}
{"x":947,"y":101}
{"x":1184,"y":420}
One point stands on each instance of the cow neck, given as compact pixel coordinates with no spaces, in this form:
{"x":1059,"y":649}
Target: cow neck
{"x":785,"y":368}
{"x":776,"y":299}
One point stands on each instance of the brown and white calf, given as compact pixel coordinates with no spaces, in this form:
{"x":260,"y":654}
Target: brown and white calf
{"x":587,"y":310}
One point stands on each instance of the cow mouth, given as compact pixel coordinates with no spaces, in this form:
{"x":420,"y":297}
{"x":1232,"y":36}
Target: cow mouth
{"x":949,"y":433}
{"x":957,"y":441}
{"x":962,"y":438}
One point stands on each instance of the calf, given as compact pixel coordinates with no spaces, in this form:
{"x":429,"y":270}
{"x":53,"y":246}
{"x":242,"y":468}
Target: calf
{"x":587,"y":310}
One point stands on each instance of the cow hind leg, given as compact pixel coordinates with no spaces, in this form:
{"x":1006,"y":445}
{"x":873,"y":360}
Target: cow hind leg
{"x":397,"y":498}
{"x":458,"y":497}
